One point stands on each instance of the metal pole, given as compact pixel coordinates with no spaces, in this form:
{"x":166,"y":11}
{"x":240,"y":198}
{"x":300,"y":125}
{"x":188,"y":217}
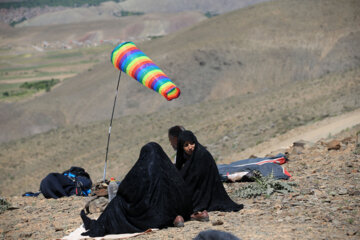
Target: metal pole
{"x":112,"y":115}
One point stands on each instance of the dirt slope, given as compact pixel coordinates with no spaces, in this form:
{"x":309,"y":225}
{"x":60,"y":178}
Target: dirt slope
{"x":227,"y":127}
{"x":310,"y":133}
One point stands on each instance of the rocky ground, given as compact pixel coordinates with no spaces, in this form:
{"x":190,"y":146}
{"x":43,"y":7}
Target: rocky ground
{"x":324,"y":205}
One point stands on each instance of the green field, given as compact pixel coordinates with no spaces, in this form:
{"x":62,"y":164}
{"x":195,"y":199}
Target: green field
{"x":16,"y":69}
{"x":13,"y":91}
{"x":16,"y":91}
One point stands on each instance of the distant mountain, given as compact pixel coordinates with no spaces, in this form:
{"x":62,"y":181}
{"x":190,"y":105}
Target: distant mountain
{"x":117,"y":29}
{"x":204,"y":6}
{"x":62,"y":12}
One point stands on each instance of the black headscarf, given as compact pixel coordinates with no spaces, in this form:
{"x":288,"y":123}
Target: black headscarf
{"x":151,"y":195}
{"x":202,"y":177}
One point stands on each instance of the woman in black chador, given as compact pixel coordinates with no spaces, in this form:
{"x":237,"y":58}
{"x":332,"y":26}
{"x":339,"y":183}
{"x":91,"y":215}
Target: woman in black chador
{"x":201,"y":175}
{"x":151,"y":195}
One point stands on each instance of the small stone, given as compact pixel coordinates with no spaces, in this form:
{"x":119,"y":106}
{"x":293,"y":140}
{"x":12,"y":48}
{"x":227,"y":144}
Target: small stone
{"x":57,"y":229}
{"x":349,"y":165}
{"x":342,"y":191}
{"x":294,"y":195}
{"x":333,"y":145}
{"x":101,"y":192}
{"x":300,"y":144}
{"x":352,"y":232}
{"x":336,"y":222}
{"x":29,"y":209}
{"x":13,"y":207}
{"x":327,"y":218}
{"x":354,"y":193}
{"x":317,"y":193}
{"x":25,"y":235}
{"x":306,"y":192}
{"x":278,"y":206}
{"x":332,"y":193}
{"x":97,"y":205}
{"x":217,"y":222}
{"x":347,"y":140}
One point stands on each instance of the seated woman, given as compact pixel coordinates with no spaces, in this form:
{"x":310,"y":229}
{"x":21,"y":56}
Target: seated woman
{"x":151,"y":195}
{"x":201,"y":175}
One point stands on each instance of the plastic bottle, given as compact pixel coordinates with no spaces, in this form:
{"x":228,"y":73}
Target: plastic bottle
{"x":112,"y":188}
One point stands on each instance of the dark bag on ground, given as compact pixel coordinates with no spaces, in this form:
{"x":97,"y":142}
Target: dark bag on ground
{"x":75,"y":181}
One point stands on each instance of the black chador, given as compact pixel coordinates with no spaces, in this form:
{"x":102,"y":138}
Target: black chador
{"x":151,"y":196}
{"x":202,"y":177}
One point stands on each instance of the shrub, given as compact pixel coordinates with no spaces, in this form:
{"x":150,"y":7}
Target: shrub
{"x":129,"y":13}
{"x":45,"y":84}
{"x":4,"y":205}
{"x":264,"y":185}
{"x":210,"y":14}
{"x":13,"y":93}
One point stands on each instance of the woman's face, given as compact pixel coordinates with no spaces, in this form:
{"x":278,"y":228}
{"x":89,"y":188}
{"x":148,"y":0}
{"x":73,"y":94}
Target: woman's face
{"x":189,"y":147}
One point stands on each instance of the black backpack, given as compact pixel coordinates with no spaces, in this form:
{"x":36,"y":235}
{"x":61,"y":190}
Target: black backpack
{"x":78,"y":175}
{"x":77,"y":171}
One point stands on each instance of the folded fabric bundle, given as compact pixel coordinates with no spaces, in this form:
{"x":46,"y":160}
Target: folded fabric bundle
{"x":266,"y":166}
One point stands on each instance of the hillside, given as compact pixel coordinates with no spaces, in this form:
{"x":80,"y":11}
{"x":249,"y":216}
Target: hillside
{"x":256,"y":50}
{"x":226,"y":126}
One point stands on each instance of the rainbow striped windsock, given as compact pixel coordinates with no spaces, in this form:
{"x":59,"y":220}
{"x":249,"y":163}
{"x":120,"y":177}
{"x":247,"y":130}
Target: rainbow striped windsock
{"x":129,"y":59}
